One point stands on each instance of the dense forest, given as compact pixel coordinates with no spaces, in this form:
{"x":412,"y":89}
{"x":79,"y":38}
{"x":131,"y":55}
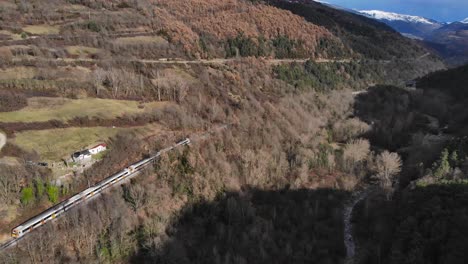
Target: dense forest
{"x":425,"y":221}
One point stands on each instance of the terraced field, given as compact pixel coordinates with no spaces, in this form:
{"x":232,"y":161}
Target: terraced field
{"x":41,"y":109}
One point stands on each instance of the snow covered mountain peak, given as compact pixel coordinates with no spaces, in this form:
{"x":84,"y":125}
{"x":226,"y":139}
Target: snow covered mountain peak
{"x":382,"y":15}
{"x":465,"y":21}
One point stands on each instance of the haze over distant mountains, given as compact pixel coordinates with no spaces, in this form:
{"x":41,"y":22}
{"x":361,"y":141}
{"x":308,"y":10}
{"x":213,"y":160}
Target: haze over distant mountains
{"x":412,"y":26}
{"x":416,"y":26}
{"x":449,"y":40}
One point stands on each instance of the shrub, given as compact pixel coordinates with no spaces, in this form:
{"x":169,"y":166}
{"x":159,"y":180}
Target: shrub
{"x":93,"y":26}
{"x":27,"y":195}
{"x":123,"y":5}
{"x":52,"y":193}
{"x":39,"y":184}
{"x":10,"y":101}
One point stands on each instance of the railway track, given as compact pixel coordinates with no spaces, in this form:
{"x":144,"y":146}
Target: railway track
{"x":19,"y":232}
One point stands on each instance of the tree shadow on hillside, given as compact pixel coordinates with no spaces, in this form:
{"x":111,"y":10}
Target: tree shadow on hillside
{"x":288,"y":226}
{"x":422,"y":225}
{"x":398,"y":125}
{"x":390,"y":111}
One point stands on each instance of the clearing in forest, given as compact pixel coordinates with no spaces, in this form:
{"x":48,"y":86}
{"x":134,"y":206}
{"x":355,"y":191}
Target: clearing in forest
{"x":55,"y":144}
{"x":82,"y":50}
{"x":42,"y":29}
{"x":138,"y":40}
{"x":42,"y":109}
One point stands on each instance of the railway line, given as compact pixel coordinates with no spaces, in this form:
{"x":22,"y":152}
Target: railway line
{"x":62,"y":208}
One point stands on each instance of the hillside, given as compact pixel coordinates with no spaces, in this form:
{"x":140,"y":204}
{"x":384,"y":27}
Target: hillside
{"x":451,"y":85}
{"x":367,"y":37}
{"x":200,"y":29}
{"x":266,"y":93}
{"x":447,"y":40}
{"x":451,"y":41}
{"x":427,"y":127}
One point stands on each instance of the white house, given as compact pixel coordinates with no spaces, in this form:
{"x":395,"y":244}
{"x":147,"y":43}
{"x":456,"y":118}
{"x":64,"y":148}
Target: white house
{"x":81,"y":155}
{"x":98,"y":148}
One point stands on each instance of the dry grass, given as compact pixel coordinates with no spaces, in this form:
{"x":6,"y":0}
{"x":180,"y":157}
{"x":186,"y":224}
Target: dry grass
{"x":18,"y":73}
{"x":10,"y":161}
{"x":175,"y":74}
{"x":13,"y":36}
{"x":140,"y":40}
{"x":42,"y":29}
{"x":77,"y":73}
{"x":41,"y":109}
{"x":82,"y":50}
{"x":55,"y":144}
{"x":75,"y":8}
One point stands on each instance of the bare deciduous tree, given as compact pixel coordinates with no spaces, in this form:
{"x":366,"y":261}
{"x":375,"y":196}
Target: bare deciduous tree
{"x":355,"y":152}
{"x":139,"y":196}
{"x":387,"y":166}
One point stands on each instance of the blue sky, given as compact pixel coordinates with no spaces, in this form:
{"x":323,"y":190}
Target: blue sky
{"x":441,"y":10}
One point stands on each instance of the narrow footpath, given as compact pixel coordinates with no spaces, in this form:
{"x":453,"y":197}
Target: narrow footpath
{"x":348,"y":228}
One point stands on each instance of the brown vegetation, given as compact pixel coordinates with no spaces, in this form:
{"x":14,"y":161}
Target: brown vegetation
{"x":280,"y":137}
{"x":10,"y":101}
{"x":221,"y":20}
{"x":277,"y":138}
{"x":125,"y":121}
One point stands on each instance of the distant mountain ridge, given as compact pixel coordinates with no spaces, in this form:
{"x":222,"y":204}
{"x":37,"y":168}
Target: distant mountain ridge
{"x":408,"y":25}
{"x":448,"y":40}
{"x":382,"y":15}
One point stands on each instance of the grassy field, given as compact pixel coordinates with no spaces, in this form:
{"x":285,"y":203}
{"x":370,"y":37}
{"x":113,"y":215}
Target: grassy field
{"x":81,"y":50}
{"x":140,"y":40}
{"x":48,"y":108}
{"x":42,"y":29}
{"x":18,"y":73}
{"x":54,"y":144}
{"x":12,"y":35}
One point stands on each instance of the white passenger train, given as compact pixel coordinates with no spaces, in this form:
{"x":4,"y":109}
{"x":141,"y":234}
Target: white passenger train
{"x":66,"y":205}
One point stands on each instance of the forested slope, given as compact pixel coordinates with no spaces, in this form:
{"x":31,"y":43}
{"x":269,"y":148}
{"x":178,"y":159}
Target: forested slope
{"x":365,"y":36}
{"x":425,"y":222}
{"x":369,"y":40}
{"x":290,"y":129}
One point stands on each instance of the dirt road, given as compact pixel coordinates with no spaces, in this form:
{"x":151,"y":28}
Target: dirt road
{"x":3,"y":139}
{"x":180,"y":61}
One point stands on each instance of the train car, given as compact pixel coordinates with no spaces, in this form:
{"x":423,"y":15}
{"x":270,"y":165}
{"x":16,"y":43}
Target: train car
{"x":89,"y":192}
{"x":112,"y":179}
{"x":49,"y":214}
{"x":62,"y":207}
{"x":37,"y":221}
{"x":138,"y":165}
{"x":183,"y":142}
{"x":77,"y":198}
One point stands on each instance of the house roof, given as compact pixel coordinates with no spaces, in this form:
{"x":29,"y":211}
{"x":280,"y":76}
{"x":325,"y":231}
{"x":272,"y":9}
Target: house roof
{"x":102,"y":144}
{"x":83,"y":152}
